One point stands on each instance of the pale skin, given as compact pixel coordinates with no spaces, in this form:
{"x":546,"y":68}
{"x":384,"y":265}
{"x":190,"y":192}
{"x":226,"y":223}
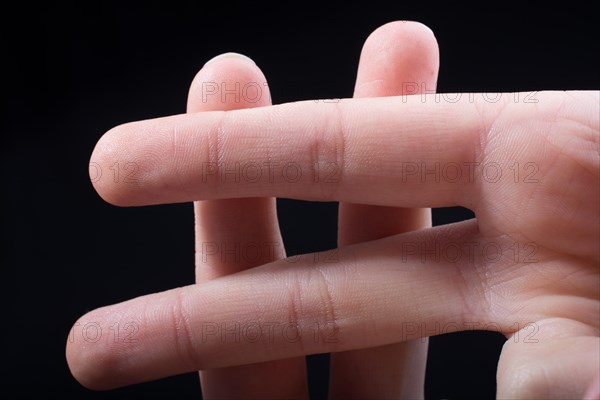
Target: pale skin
{"x":528,"y":264}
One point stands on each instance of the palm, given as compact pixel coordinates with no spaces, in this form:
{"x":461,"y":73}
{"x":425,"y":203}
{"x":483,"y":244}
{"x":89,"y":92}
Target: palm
{"x":541,"y":219}
{"x":539,"y":210}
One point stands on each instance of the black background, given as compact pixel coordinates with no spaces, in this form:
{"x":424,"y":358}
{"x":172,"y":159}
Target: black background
{"x":69,"y":73}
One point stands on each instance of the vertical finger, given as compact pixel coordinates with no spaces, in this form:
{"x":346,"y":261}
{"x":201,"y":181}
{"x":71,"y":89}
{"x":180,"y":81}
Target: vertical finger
{"x":237,"y":234}
{"x":400,"y":58}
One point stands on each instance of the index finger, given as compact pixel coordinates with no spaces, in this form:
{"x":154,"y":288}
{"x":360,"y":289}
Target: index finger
{"x":383,"y":151}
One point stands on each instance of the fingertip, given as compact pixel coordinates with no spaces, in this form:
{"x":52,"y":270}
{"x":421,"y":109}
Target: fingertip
{"x":110,"y":170}
{"x":398,"y":58}
{"x":87,"y":357}
{"x":226,"y":82}
{"x":408,"y":29}
{"x":144,"y":162}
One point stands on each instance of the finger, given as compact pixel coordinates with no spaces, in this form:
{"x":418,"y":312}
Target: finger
{"x":366,"y":295}
{"x":393,"y":57}
{"x":353,"y":150}
{"x":551,"y":359}
{"x":381,"y":151}
{"x":236,"y":234}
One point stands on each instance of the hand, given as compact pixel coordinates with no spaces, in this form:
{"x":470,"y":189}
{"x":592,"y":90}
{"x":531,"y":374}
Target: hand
{"x":527,"y":263}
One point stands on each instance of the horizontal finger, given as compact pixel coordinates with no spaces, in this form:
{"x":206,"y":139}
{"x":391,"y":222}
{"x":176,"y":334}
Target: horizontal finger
{"x":382,"y":151}
{"x":366,"y":295}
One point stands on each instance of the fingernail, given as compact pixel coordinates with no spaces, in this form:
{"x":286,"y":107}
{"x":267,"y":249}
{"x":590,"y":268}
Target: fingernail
{"x":230,"y":55}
